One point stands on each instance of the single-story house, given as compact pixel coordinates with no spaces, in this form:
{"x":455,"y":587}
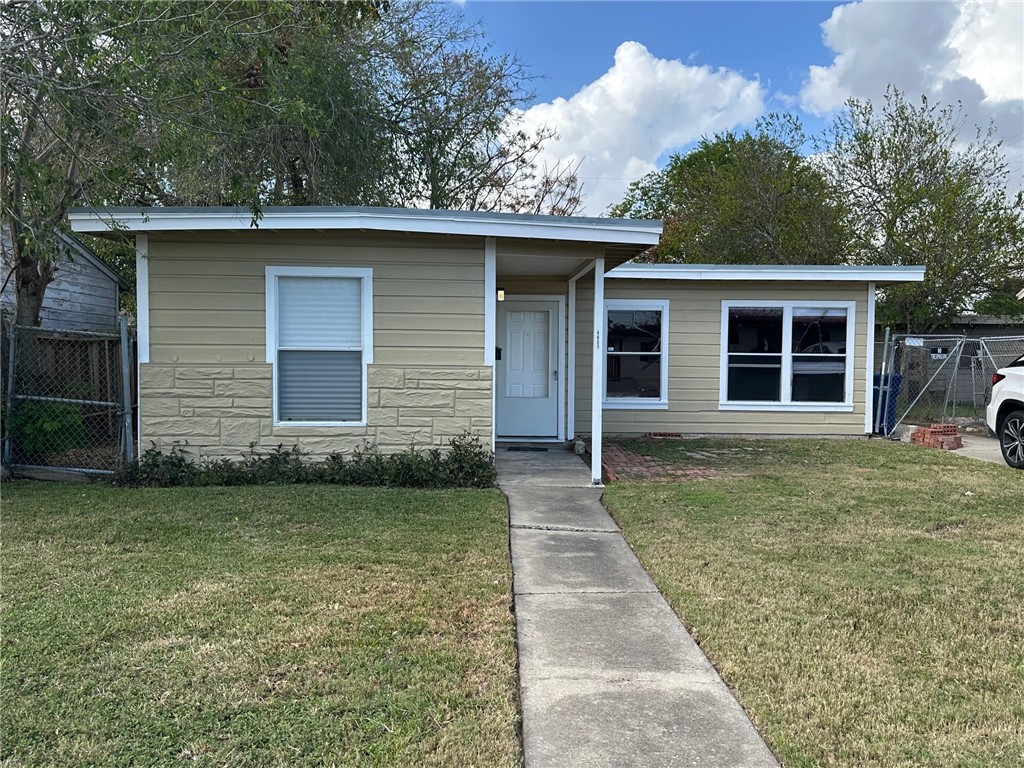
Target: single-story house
{"x":84,"y":294}
{"x":973,"y":326}
{"x":329,"y":326}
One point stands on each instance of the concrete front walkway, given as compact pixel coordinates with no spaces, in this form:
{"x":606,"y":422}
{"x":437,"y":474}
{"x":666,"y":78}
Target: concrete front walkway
{"x":609,"y":675}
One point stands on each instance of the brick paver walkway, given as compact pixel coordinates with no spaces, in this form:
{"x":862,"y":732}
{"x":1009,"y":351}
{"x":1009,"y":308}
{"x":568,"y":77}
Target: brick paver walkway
{"x":619,"y":463}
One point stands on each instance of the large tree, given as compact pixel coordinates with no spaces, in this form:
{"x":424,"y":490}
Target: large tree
{"x":253,"y":103}
{"x":168,"y":102}
{"x":456,"y":110}
{"x":743,"y":199}
{"x":919,"y":193}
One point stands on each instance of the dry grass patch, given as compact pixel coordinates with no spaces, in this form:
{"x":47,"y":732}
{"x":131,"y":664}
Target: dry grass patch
{"x":257,"y":626}
{"x":864,"y":599}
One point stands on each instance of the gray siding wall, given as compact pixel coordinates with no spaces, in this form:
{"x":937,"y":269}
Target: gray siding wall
{"x":80,"y":298}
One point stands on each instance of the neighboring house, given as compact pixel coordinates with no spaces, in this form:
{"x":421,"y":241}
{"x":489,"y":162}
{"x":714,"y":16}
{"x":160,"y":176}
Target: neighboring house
{"x":83,"y":296}
{"x":984,"y":326}
{"x":328,"y":327}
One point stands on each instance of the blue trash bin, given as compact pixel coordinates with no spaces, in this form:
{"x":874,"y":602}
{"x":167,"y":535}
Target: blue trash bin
{"x":890,"y":388}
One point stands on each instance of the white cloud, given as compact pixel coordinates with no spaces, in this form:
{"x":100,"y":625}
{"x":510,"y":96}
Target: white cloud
{"x":971,"y":51}
{"x":989,"y":40}
{"x":639,"y":109}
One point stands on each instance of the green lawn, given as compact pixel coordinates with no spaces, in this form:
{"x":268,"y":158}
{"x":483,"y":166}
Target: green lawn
{"x":306,"y":625}
{"x":865,"y":600}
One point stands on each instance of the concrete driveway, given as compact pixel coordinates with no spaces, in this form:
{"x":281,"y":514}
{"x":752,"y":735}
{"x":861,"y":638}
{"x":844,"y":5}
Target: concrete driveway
{"x":981,"y":447}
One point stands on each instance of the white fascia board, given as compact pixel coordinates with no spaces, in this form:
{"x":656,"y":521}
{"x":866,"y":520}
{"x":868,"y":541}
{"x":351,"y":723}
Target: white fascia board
{"x":608,"y":231}
{"x":730,"y":272}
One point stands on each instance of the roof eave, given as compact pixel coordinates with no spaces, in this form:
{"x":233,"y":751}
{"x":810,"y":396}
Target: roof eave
{"x":733,"y":272}
{"x":149,"y":220}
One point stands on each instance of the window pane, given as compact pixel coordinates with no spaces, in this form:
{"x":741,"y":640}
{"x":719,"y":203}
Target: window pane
{"x":318,"y":312}
{"x":819,"y":331}
{"x":819,"y":378}
{"x":319,"y":386}
{"x":634,"y":330}
{"x":634,"y":376}
{"x":755,"y":329}
{"x":755,"y":377}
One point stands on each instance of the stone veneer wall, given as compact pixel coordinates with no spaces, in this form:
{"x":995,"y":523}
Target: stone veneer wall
{"x":218,"y":410}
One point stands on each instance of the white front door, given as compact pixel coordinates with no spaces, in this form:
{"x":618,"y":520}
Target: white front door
{"x":527,"y":381}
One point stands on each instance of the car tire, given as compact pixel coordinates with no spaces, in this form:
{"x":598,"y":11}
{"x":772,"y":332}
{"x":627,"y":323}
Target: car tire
{"x":1011,"y":439}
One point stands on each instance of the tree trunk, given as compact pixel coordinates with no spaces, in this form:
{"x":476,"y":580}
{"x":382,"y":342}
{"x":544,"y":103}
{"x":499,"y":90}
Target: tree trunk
{"x":32,"y":278}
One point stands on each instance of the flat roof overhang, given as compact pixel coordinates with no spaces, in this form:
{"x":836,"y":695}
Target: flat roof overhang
{"x":769,"y":273}
{"x":146,"y":220}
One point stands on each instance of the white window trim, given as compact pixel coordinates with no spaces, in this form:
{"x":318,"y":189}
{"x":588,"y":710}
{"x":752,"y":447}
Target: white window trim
{"x":366,"y":276}
{"x":785,"y":404}
{"x":636,"y":403}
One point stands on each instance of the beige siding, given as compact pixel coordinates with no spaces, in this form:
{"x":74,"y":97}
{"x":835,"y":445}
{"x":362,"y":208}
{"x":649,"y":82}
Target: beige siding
{"x":695,"y":317}
{"x":208,"y":385}
{"x":207,"y":298}
{"x":506,"y":247}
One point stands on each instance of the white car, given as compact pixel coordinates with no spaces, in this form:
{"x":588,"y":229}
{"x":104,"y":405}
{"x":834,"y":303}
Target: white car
{"x":1005,"y":412}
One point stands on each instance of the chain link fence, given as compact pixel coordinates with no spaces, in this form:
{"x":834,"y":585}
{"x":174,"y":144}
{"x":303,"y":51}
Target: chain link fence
{"x":927,"y":379}
{"x":68,"y":399}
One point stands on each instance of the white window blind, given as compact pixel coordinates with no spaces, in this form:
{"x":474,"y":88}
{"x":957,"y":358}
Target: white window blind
{"x":318,"y":349}
{"x":319,"y":386}
{"x":319,"y":313}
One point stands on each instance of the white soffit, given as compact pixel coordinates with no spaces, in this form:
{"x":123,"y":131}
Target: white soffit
{"x":408,"y":220}
{"x":788,"y":273}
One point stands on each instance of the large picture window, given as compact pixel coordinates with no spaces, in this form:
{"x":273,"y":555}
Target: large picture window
{"x":319,"y":340}
{"x":793,"y":354}
{"x":636,"y":356}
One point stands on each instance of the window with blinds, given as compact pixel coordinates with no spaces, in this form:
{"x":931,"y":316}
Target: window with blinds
{"x":319,"y":342}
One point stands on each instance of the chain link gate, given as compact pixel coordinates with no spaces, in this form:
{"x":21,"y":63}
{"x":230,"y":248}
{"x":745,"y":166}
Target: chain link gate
{"x":69,"y":404}
{"x":941,"y":378}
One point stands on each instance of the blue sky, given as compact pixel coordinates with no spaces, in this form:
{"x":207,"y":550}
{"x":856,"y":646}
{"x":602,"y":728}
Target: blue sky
{"x":627,"y":83}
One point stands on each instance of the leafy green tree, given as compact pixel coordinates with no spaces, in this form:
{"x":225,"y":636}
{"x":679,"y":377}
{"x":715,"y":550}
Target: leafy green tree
{"x":167,"y":102}
{"x":919,"y":194}
{"x":744,"y":199}
{"x":1001,"y":300}
{"x":210,"y":102}
{"x":456,"y":109}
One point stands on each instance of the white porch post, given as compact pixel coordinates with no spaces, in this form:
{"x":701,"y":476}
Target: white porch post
{"x":572,"y":347}
{"x":571,"y":374}
{"x":597,"y":384}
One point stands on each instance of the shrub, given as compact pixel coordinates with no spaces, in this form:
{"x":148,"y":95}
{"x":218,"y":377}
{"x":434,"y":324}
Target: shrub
{"x":155,"y":469}
{"x":466,"y":464}
{"x":43,"y":429}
